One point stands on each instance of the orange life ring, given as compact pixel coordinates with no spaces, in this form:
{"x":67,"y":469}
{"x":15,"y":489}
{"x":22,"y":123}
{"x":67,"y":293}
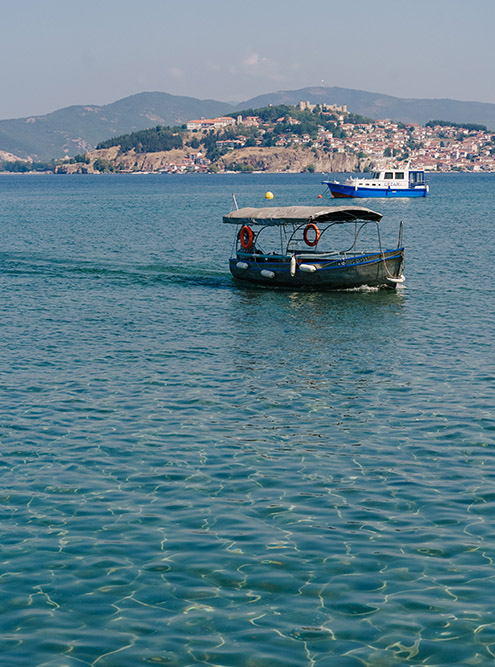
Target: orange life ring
{"x":311,"y":226}
{"x":246,"y":237}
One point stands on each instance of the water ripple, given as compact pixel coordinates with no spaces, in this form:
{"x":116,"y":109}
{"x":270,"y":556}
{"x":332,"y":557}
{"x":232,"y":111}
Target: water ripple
{"x":194,"y":473}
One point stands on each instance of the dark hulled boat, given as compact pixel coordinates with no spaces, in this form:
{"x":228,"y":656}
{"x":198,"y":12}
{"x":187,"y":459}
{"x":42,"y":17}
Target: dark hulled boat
{"x":306,"y":255}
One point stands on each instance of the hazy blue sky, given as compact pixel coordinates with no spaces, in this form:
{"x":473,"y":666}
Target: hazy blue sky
{"x":55,"y":53}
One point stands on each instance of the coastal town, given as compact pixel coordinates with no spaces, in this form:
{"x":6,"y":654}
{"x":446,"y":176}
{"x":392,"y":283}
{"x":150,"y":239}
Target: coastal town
{"x":303,"y":137}
{"x":435,"y":147}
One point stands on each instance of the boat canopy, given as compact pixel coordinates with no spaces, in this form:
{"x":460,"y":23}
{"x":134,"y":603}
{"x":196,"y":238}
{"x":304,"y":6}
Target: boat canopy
{"x":283,"y":215}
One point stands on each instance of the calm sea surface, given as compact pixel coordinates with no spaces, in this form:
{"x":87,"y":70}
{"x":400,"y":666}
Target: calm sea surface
{"x":194,"y":473}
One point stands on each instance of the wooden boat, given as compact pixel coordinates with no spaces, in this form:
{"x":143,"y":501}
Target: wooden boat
{"x":299,"y":260}
{"x":386,"y":183}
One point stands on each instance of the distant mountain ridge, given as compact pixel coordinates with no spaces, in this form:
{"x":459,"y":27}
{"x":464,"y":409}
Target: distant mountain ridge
{"x":379,"y":106}
{"x":76,"y":129}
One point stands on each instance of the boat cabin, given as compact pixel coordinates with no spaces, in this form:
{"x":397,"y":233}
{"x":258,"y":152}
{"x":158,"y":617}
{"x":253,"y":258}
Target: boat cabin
{"x":398,"y":177}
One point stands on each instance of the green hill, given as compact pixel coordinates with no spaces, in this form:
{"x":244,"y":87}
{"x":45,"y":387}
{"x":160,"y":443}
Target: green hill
{"x":76,"y":129}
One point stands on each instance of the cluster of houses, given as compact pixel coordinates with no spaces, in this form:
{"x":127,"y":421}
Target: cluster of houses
{"x":210,"y":123}
{"x":195,"y":161}
{"x":438,"y":148}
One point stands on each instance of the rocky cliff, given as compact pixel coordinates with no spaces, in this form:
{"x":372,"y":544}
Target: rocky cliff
{"x":298,"y":159}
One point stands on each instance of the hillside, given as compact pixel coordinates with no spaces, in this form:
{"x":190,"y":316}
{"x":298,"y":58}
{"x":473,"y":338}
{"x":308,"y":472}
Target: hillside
{"x":378,"y":106}
{"x":76,"y":129}
{"x":287,"y":138}
{"x":270,"y":159}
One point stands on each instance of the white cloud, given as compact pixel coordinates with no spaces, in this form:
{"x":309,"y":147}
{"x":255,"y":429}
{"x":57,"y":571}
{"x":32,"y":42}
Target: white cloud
{"x":176,"y":72}
{"x":257,"y":65}
{"x":252,"y":60}
{"x":254,"y":64}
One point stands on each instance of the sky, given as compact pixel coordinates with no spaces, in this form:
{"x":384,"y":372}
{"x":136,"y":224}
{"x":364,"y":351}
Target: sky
{"x":56,"y":53}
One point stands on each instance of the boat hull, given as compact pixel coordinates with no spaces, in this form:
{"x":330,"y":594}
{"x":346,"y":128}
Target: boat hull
{"x":343,"y":191}
{"x":372,"y":269}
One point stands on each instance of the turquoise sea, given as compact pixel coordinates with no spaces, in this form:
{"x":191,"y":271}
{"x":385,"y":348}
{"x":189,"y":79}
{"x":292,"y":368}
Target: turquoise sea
{"x":195,"y":473}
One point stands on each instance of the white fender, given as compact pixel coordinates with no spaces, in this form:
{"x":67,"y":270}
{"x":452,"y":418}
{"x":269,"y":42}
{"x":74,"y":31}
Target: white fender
{"x":308,"y":268}
{"x":267,"y":274}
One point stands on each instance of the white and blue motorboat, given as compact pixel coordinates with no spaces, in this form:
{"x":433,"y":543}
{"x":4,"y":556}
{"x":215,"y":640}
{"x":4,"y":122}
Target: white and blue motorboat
{"x":387,"y":183}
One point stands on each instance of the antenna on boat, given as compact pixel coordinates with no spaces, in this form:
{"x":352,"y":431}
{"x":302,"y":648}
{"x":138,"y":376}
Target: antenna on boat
{"x":235,"y":202}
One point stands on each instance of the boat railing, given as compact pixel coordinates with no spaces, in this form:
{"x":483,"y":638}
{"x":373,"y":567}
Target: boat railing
{"x":295,"y":244}
{"x":324,"y":255}
{"x":301,"y":255}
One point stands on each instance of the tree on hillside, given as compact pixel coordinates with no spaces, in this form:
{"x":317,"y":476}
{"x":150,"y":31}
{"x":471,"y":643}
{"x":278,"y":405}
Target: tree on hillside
{"x":156,"y":139}
{"x":471,"y":127}
{"x":267,"y":114}
{"x":268,"y":139}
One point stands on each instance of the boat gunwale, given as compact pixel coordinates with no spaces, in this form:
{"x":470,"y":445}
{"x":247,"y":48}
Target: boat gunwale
{"x":374,"y":257}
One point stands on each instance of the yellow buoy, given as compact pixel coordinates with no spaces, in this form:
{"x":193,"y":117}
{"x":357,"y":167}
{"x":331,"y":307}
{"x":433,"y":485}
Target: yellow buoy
{"x":269,"y":195}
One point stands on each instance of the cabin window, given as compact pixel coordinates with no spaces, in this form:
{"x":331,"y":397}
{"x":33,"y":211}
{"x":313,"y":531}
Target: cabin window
{"x":389,"y":175}
{"x":417,"y":177}
{"x":399,"y":175}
